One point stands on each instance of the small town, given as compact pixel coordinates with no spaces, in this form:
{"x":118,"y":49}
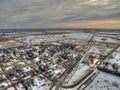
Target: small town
{"x":59,"y":61}
{"x":59,"y":44}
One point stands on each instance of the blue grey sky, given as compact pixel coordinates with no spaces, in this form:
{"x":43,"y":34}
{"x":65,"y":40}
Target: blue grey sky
{"x":58,"y":13}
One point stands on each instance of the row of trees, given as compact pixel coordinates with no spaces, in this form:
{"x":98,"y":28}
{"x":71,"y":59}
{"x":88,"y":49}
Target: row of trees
{"x":110,"y":68}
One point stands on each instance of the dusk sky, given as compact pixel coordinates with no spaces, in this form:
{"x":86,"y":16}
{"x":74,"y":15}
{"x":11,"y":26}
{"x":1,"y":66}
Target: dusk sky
{"x":59,"y":14}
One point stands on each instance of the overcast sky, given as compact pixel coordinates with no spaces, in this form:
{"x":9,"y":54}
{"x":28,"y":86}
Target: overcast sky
{"x":59,"y":13}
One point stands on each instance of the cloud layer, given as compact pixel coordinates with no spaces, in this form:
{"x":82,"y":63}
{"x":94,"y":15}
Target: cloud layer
{"x":52,"y":13}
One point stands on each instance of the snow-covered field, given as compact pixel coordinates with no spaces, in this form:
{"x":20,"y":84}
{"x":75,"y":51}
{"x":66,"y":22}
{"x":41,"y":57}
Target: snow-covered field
{"x":10,"y":43}
{"x":105,"y":81}
{"x":115,"y":57}
{"x":11,"y":88}
{"x":101,"y":48}
{"x":20,"y":87}
{"x":45,"y":58}
{"x":40,"y":83}
{"x":37,"y":83}
{"x":80,"y":38}
{"x":78,"y":74}
{"x":106,"y":39}
{"x":112,"y":63}
{"x":4,"y":81}
{"x":56,"y":72}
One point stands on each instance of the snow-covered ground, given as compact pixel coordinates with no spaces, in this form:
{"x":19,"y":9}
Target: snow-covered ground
{"x":20,"y":87}
{"x":115,"y":57}
{"x":78,"y":74}
{"x":109,"y":34}
{"x":41,"y":84}
{"x":112,"y":63}
{"x":105,"y":81}
{"x":11,"y":88}
{"x":51,"y":54}
{"x":10,"y":43}
{"x":106,"y":39}
{"x":101,"y":48}
{"x":4,"y":81}
{"x":56,"y":72}
{"x":37,"y":83}
{"x":80,"y":38}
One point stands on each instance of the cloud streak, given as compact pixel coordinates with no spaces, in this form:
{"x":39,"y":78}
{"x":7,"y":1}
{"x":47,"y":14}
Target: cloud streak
{"x":51,"y":13}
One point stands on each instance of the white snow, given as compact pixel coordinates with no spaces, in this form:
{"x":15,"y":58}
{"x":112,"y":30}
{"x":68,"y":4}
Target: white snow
{"x":36,"y":59}
{"x":56,"y":71}
{"x":105,"y":81}
{"x":41,"y":84}
{"x":73,"y":37}
{"x":5,"y":82}
{"x":113,"y":59}
{"x":26,"y":69}
{"x":11,"y":88}
{"x":20,"y":87}
{"x":81,"y":71}
{"x":106,"y":39}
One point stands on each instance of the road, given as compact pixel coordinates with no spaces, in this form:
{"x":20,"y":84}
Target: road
{"x":88,"y":75}
{"x":69,"y":70}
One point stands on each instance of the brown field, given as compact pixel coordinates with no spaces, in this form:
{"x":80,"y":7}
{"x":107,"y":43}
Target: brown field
{"x":10,"y":44}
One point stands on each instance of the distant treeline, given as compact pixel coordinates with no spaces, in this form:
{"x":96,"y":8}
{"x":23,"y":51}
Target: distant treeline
{"x":59,"y":29}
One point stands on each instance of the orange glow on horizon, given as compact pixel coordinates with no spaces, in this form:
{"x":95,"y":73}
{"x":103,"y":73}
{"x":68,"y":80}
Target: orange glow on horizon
{"x":94,"y":24}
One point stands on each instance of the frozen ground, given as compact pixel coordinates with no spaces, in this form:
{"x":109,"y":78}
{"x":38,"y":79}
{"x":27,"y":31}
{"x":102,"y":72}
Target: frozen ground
{"x":11,"y":88}
{"x":20,"y":87}
{"x":9,"y":44}
{"x":4,"y":81}
{"x":45,"y":58}
{"x":101,"y":48}
{"x":106,"y":40}
{"x":77,"y":75}
{"x":105,"y":81}
{"x":79,"y":38}
{"x":40,"y":83}
{"x":112,"y":63}
{"x":115,"y":57}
